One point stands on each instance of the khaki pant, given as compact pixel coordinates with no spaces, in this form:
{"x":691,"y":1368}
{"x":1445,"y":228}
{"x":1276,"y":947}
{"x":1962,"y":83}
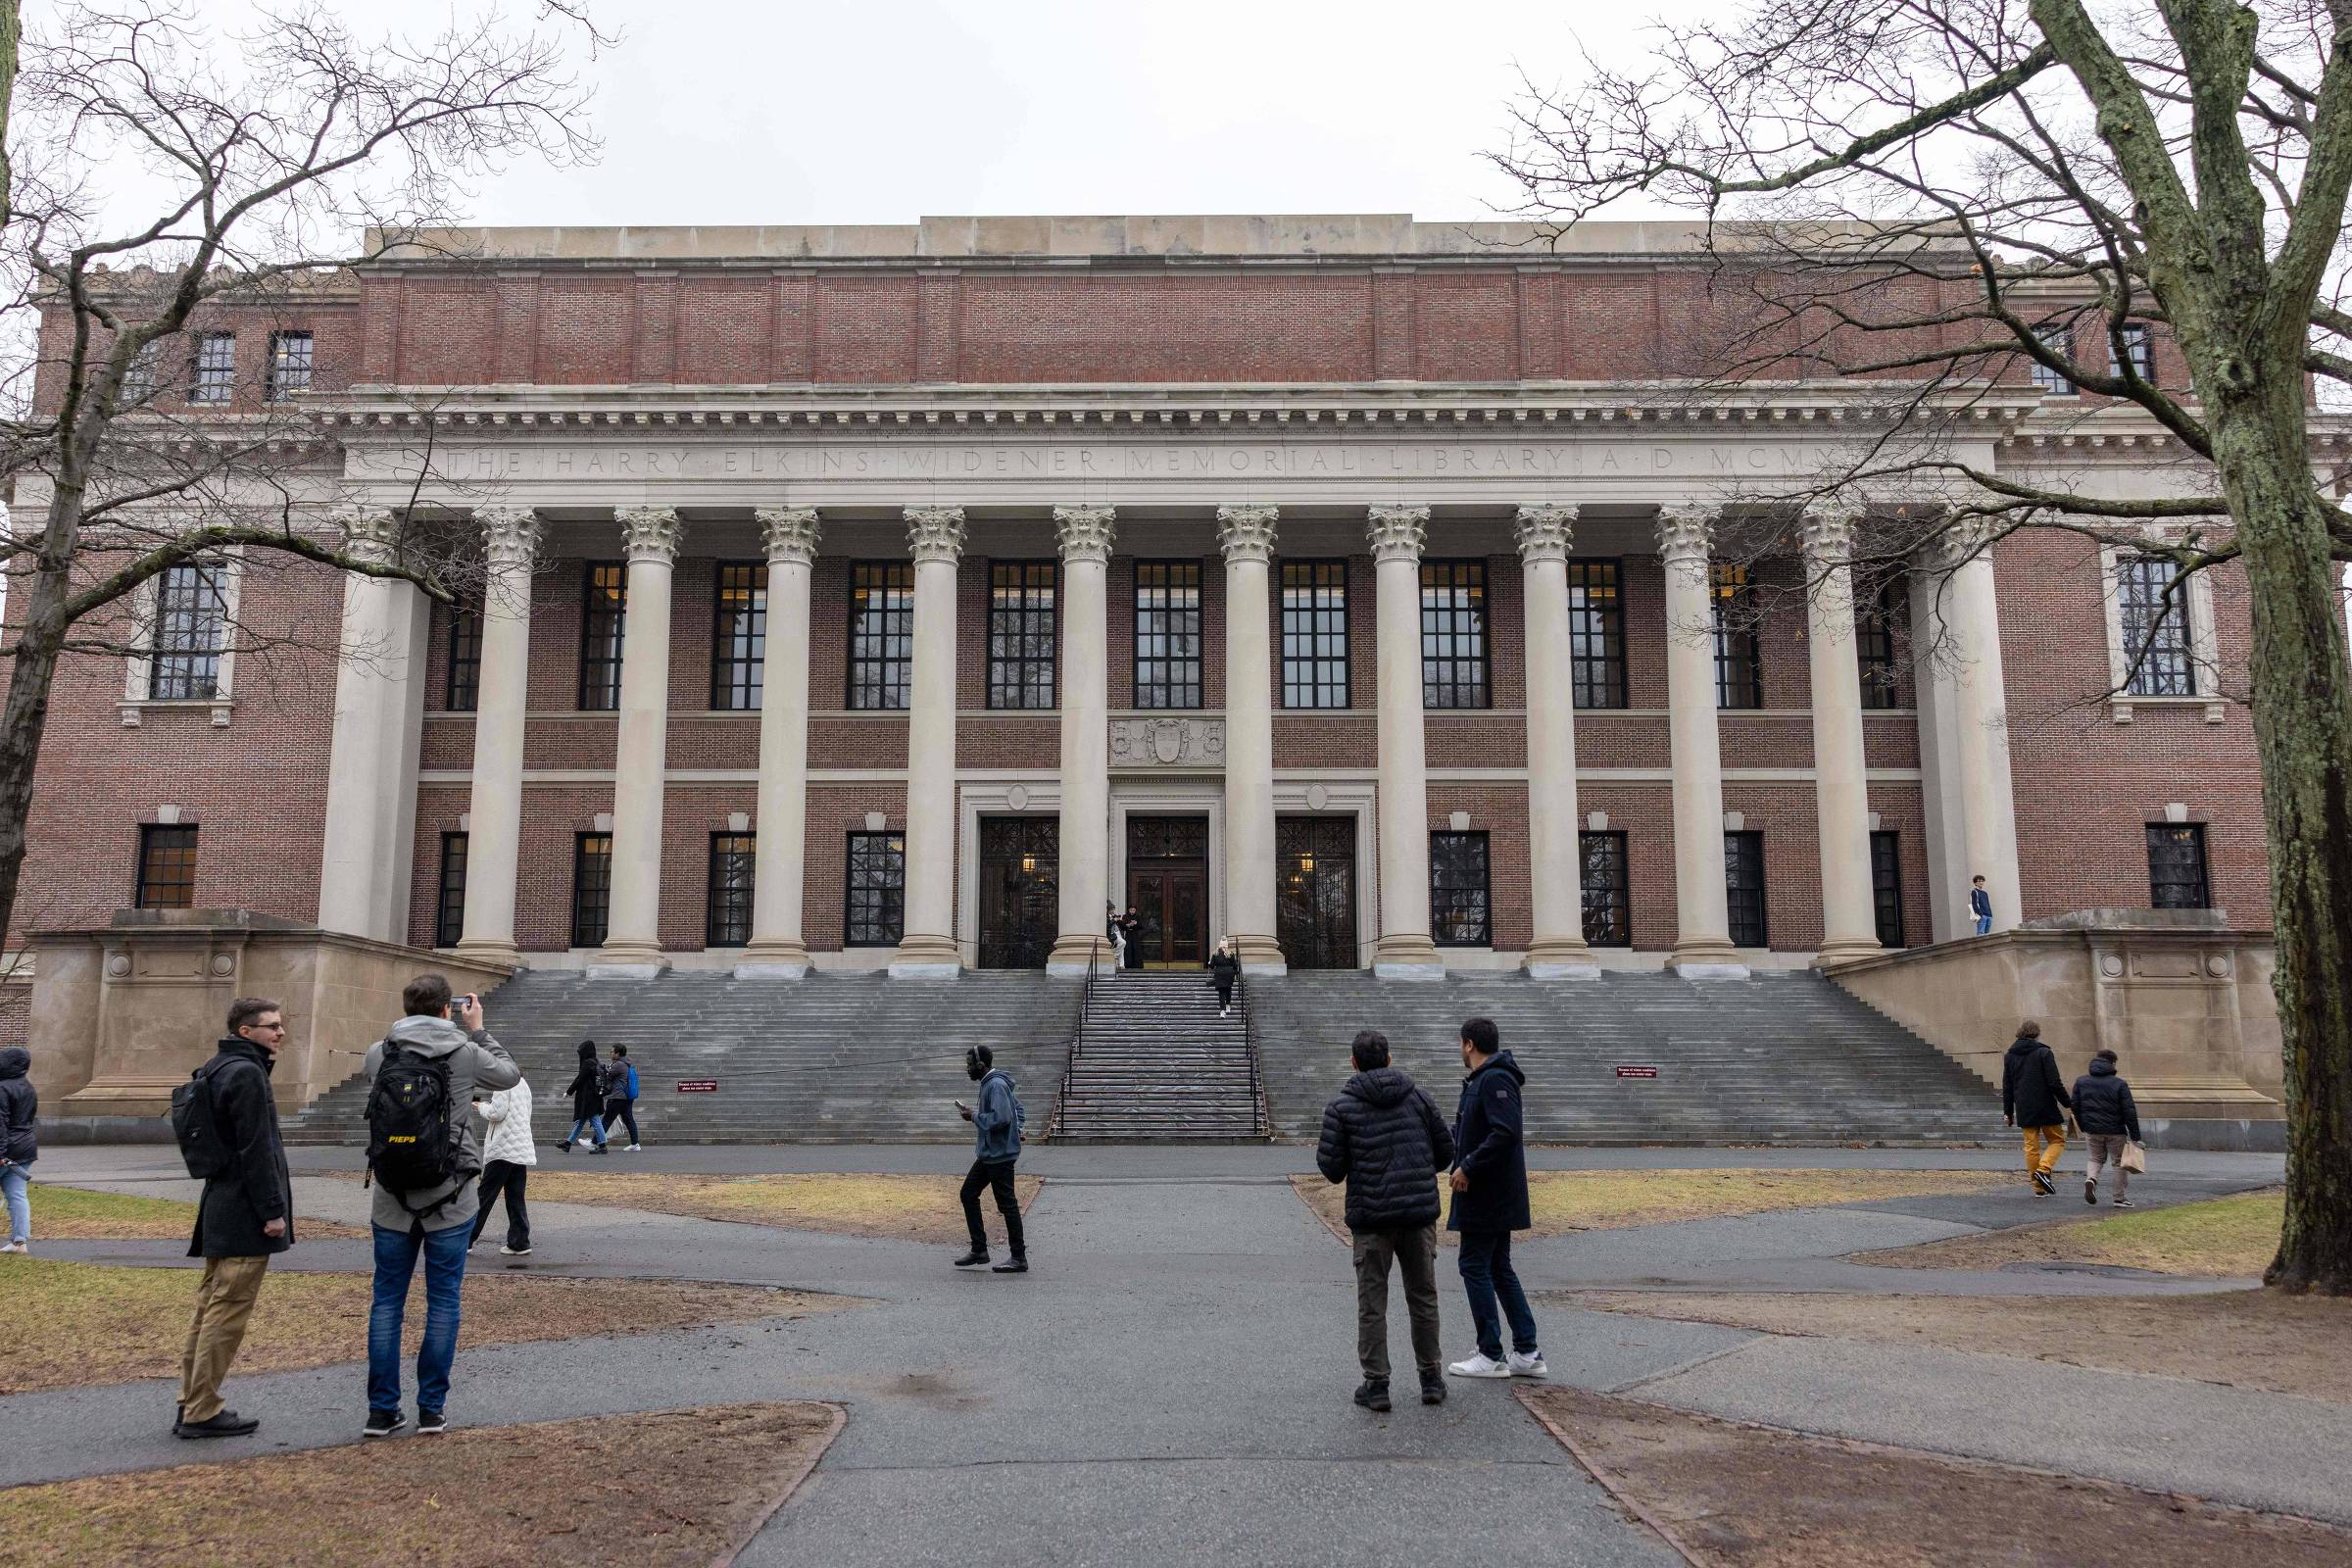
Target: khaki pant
{"x":223,"y":1303}
{"x":2043,"y":1146}
{"x":2107,"y":1148}
{"x":1416,"y":1254}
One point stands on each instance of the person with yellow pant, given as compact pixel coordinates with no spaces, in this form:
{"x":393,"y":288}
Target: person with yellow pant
{"x":2033,"y":1096}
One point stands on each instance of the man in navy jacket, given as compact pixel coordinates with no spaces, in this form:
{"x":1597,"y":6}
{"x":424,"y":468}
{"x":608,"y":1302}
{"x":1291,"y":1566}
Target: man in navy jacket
{"x":1490,"y":1201}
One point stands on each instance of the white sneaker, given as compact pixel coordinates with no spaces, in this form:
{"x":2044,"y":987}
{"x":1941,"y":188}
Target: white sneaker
{"x":1528,"y":1366}
{"x":632,"y":1150}
{"x":515,"y":1251}
{"x":1477,"y":1367}
{"x":15,"y":1246}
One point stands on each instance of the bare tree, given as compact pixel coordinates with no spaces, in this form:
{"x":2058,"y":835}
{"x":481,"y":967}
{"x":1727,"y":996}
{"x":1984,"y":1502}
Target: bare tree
{"x":159,"y":176}
{"x":1929,"y":195}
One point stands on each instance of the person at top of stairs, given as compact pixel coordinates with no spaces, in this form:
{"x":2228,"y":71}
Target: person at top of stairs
{"x":1224,"y":968}
{"x":996,"y":1123}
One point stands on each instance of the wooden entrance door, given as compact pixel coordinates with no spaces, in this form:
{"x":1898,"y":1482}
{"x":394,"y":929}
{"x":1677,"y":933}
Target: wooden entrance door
{"x":1167,"y":884}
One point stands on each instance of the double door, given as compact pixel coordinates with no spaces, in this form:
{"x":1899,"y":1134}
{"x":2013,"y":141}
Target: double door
{"x":1167,"y":888}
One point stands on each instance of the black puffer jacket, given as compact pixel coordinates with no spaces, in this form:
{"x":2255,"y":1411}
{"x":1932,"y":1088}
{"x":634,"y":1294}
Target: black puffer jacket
{"x":1383,"y":1136}
{"x":19,"y":1106}
{"x":2032,"y":1095}
{"x":2103,"y":1102}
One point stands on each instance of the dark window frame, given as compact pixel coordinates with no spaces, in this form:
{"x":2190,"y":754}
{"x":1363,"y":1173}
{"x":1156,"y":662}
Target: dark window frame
{"x":2059,"y":339}
{"x":213,"y":368}
{"x":1596,"y":679}
{"x":182,"y":667}
{"x":1447,"y":926}
{"x":2190,"y":835}
{"x":727,"y":904}
{"x":1875,"y":665}
{"x":2138,"y":351}
{"x":1887,"y":886}
{"x":165,"y":847}
{"x":1021,"y":678}
{"x":1314,"y":648}
{"x":1619,"y":899}
{"x":449,"y":908}
{"x":879,"y":667}
{"x":1746,"y":909}
{"x":603,"y":633}
{"x":288,"y":371}
{"x":461,"y":684}
{"x":885,"y":897}
{"x":591,"y":900}
{"x":738,"y":637}
{"x":2149,"y":620}
{"x":1167,"y":678}
{"x":1453,"y":680}
{"x":1733,"y":599}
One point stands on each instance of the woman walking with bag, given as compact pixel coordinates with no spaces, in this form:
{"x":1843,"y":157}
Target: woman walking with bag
{"x":587,"y":1092}
{"x":2105,"y":1111}
{"x":1224,"y":968}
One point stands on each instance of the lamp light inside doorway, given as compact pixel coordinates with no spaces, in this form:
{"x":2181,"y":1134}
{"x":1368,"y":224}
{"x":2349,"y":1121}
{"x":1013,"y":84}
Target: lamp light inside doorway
{"x":1306,"y":863}
{"x":1028,"y":862}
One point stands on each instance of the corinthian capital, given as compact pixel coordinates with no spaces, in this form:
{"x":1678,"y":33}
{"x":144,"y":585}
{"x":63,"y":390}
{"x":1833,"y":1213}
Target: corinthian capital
{"x":1828,"y":531}
{"x":1398,"y":532}
{"x":1084,"y":531}
{"x":791,"y":533}
{"x":1546,"y":533}
{"x":935,"y":533}
{"x":368,"y":535}
{"x":650,"y":533}
{"x":1246,"y":533}
{"x":1684,"y":529}
{"x":511,"y":535}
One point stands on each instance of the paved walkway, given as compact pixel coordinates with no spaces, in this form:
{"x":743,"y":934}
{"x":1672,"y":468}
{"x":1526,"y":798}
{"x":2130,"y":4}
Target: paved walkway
{"x":1173,"y":1380}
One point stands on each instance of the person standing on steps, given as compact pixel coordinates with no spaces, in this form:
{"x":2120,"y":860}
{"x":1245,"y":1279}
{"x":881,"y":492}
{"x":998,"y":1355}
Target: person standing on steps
{"x":2033,"y":1096}
{"x":1979,"y":907}
{"x":1490,"y":1201}
{"x":1224,"y":968}
{"x":19,"y":1145}
{"x":1383,"y":1136}
{"x":620,"y":1094}
{"x":997,"y":1122}
{"x":1131,"y":927}
{"x":587,"y":1092}
{"x":507,"y":1155}
{"x":1117,"y":929}
{"x":2110,"y":1119}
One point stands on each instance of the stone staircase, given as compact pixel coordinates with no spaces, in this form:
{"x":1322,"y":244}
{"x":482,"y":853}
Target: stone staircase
{"x":1154,"y":1063}
{"x":831,"y":1059}
{"x":1781,"y":1057}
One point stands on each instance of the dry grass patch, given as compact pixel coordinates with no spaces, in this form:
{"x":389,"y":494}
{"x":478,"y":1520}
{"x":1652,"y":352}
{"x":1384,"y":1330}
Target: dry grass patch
{"x":662,"y":1490}
{"x":70,"y":1324}
{"x":83,"y":1214}
{"x":1746,"y":1496}
{"x":2247,"y":1338}
{"x":903,"y":1208}
{"x":1564,"y":1201}
{"x":2225,"y":1238}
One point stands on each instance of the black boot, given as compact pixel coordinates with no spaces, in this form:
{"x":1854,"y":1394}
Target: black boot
{"x":222,"y":1424}
{"x":1373,"y":1396}
{"x":1011,"y":1265}
{"x":1433,"y":1391}
{"x":973,"y":1259}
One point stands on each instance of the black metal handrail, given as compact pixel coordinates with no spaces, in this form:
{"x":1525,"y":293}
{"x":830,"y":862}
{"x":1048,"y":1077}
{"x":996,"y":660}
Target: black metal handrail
{"x":1086,"y":999}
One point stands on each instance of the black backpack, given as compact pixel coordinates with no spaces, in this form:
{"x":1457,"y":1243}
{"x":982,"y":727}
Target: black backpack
{"x":196,"y":1123}
{"x":411,"y":1145}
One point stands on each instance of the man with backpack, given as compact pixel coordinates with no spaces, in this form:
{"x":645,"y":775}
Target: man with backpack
{"x":620,"y":1094}
{"x":423,"y":1157}
{"x":227,"y":1122}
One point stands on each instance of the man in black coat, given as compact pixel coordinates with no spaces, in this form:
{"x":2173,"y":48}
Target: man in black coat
{"x":2110,"y":1121}
{"x":246,"y":1215}
{"x":1490,"y":1201}
{"x":1382,"y":1137}
{"x":2033,"y":1096}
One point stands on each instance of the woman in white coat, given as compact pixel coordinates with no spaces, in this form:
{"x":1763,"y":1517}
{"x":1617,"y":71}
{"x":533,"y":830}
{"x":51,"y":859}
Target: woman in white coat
{"x":507,"y":1155}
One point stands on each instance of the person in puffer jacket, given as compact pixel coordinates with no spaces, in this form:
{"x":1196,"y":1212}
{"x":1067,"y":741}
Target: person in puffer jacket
{"x":2107,"y":1115}
{"x":19,"y":1145}
{"x":1385,"y":1138}
{"x":507,"y":1155}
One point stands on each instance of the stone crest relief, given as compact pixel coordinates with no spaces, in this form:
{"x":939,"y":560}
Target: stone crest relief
{"x":1167,"y":743}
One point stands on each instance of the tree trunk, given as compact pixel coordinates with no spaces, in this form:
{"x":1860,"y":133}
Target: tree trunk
{"x":25,"y":716}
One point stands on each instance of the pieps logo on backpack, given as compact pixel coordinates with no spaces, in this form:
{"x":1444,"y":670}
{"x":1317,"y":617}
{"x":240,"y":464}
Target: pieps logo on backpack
{"x":411,"y":1147}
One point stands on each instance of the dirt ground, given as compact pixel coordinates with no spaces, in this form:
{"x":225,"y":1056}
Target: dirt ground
{"x":2225,"y":1238}
{"x":1736,"y":1497}
{"x":900,"y":1208}
{"x":2249,"y":1338}
{"x":79,"y":1214}
{"x":663,"y":1490}
{"x":69,"y":1324}
{"x":1564,"y":1201}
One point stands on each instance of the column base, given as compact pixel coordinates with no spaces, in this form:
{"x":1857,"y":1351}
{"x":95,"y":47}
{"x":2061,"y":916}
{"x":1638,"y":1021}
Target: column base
{"x":1706,"y":959}
{"x":926,"y":957}
{"x":772,"y":961}
{"x":1260,"y":955}
{"x":1409,"y":955}
{"x":627,"y":960}
{"x":1847,"y":951}
{"x":1071,"y":954}
{"x":1560,"y":958}
{"x":503,"y":954}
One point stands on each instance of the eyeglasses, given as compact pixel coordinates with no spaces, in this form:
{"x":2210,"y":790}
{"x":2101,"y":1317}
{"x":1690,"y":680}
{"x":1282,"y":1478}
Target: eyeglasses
{"x":277,"y":1027}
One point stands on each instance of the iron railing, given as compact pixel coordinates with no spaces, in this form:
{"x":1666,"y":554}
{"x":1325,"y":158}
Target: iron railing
{"x":1085,"y":1000}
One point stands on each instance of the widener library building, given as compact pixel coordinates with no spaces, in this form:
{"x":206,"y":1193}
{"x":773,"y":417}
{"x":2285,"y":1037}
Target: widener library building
{"x":912,"y":598}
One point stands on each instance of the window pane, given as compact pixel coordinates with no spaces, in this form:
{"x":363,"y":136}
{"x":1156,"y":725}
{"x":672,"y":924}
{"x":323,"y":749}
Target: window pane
{"x":1873,"y":644}
{"x":464,"y":659}
{"x":1738,"y":668}
{"x":739,"y":636}
{"x":213,"y":373}
{"x":167,"y":867}
{"x":877,"y":885}
{"x":1887,"y":887}
{"x":2177,"y":866}
{"x":728,"y":920}
{"x":140,"y":377}
{"x":2159,"y":624}
{"x":191,"y":618}
{"x":1609,"y":891}
{"x":1459,"y":901}
{"x":604,"y":615}
{"x":449,"y":923}
{"x":1454,"y":634}
{"x":881,"y":634}
{"x":1596,"y":634}
{"x":2139,"y":352}
{"x":1743,"y":887}
{"x":289,"y":366}
{"x":591,"y":888}
{"x":1167,"y":634}
{"x":1020,"y":634}
{"x":2059,"y":340}
{"x":1314,"y":634}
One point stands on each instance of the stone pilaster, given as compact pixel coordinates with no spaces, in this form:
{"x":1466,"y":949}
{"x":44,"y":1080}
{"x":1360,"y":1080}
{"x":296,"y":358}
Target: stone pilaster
{"x":1702,"y":945}
{"x":927,"y":949}
{"x":1555,"y":861}
{"x":1404,"y":950}
{"x":777,"y":946}
{"x":494,"y":816}
{"x":1085,"y":534}
{"x":1841,"y":791}
{"x":633,"y":932}
{"x":1247,"y":536}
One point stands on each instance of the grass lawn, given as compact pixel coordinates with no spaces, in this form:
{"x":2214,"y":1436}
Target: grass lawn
{"x":1565,"y":1200}
{"x":663,"y":1490}
{"x":68,"y":1324}
{"x":912,"y":1209}
{"x":79,"y":1214}
{"x":2231,"y":1237}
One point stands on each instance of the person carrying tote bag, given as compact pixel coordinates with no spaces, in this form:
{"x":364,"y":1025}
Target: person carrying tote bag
{"x":2110,"y":1120}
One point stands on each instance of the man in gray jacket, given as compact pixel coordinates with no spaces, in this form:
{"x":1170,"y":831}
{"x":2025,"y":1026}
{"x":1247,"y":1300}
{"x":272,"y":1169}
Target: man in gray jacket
{"x":436,"y":1220}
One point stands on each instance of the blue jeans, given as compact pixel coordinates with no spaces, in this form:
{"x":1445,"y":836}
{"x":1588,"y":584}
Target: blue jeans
{"x":14,"y":1179}
{"x":444,"y":1278}
{"x":1983,"y":925}
{"x":1486,"y":1274}
{"x":595,"y":1124}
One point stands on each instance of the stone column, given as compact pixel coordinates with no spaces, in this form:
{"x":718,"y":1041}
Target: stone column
{"x":1849,"y":927}
{"x":1246,"y":534}
{"x":927,"y":949}
{"x":1988,"y":807}
{"x":494,"y":819}
{"x":373,"y":758}
{"x":1404,"y":951}
{"x":1702,"y":943}
{"x":776,"y":948}
{"x":1555,"y":859}
{"x":1085,"y":870}
{"x":641,"y":753}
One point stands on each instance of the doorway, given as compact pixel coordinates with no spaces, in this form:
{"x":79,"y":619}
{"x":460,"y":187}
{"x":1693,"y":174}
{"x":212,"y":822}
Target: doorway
{"x":1167,"y":887}
{"x":1020,"y":867}
{"x":1315,"y":891}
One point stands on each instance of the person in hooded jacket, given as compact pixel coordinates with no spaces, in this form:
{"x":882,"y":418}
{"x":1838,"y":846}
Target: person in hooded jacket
{"x":2033,"y":1096}
{"x":18,"y":1146}
{"x":587,"y":1092}
{"x":1224,"y":968}
{"x":996,"y":1123}
{"x":436,"y":1221}
{"x":2109,"y":1117}
{"x":1384,"y":1138}
{"x":507,"y":1155}
{"x":1490,"y":1201}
